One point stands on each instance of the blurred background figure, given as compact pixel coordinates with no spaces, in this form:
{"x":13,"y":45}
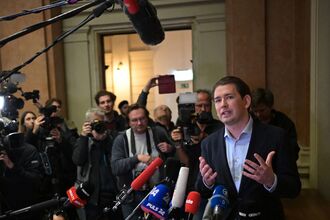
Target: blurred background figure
{"x":163,"y":117}
{"x":20,"y":175}
{"x":105,"y":100}
{"x":123,"y":120}
{"x":27,"y":121}
{"x":262,"y":107}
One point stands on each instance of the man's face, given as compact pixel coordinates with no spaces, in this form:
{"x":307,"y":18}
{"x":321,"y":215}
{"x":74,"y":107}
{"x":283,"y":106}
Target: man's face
{"x":58,"y":109}
{"x":203,"y":103}
{"x":263,"y":112}
{"x":106,"y":104}
{"x":231,"y":108}
{"x":163,"y":115}
{"x":124,"y":109}
{"x":138,"y":121}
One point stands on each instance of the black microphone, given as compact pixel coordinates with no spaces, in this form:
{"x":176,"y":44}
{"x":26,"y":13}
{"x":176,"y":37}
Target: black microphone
{"x":143,"y":16}
{"x":249,"y":210}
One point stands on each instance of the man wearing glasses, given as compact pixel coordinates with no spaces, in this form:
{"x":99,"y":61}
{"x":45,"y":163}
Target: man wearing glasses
{"x":134,"y":150}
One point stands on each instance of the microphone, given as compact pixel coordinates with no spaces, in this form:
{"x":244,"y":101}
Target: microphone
{"x":143,"y":16}
{"x":249,"y":210}
{"x":78,"y":197}
{"x":192,"y":204}
{"x":157,"y":201}
{"x":171,"y":172}
{"x":179,"y":193}
{"x":137,"y":183}
{"x":219,"y":201}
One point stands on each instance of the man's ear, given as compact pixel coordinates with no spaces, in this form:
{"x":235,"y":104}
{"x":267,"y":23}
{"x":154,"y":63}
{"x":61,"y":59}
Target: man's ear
{"x":247,"y":100}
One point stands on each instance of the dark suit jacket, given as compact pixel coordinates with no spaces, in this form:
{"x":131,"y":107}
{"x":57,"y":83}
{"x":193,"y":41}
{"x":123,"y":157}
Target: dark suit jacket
{"x":264,"y":139}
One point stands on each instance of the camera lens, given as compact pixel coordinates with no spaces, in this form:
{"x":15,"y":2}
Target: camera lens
{"x":99,"y":126}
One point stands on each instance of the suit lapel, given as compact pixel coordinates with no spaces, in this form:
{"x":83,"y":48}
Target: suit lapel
{"x":256,"y":142}
{"x":227,"y":178}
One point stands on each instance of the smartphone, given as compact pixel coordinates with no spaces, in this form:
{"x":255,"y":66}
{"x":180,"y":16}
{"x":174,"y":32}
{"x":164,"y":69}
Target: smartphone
{"x":166,"y":84}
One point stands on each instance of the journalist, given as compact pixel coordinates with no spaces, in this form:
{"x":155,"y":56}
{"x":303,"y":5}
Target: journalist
{"x":92,"y":155}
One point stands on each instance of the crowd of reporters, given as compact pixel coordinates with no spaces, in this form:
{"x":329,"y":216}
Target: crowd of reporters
{"x":52,"y":156}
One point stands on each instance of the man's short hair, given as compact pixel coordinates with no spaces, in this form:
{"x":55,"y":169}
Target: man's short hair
{"x":206,"y":92}
{"x":137,"y":106}
{"x":49,"y":102}
{"x":242,"y":88}
{"x":104,"y":93}
{"x":162,"y":110}
{"x":122,"y":103}
{"x":262,"y":96}
{"x":94,"y":111}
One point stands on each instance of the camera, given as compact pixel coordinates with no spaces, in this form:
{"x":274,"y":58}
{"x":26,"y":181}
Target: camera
{"x":9,"y":137}
{"x":34,"y":95}
{"x":99,"y":126}
{"x":51,"y":122}
{"x":187,"y":116}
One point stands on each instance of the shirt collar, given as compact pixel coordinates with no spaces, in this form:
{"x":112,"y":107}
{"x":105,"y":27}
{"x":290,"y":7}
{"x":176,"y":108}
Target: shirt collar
{"x":247,"y":130}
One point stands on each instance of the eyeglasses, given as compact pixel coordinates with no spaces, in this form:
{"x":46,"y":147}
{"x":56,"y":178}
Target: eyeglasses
{"x":135,"y":120}
{"x":202,"y":105}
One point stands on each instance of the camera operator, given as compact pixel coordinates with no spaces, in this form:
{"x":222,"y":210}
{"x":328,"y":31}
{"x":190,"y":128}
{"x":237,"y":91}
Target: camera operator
{"x":92,"y":155}
{"x":21,"y":173}
{"x":193,"y":125}
{"x":54,"y":141}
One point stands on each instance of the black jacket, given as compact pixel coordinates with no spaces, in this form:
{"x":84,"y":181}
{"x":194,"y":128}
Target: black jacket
{"x":264,"y":139}
{"x":93,"y":161}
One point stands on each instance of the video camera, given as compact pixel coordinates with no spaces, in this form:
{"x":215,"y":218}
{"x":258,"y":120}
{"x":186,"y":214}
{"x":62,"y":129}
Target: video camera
{"x":187,"y":116}
{"x":51,"y":122}
{"x":9,"y":137}
{"x":9,"y":103}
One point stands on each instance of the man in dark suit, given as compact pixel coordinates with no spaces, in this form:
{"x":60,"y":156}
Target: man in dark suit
{"x":250,"y":159}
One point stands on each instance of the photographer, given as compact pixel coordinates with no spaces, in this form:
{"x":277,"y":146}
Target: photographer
{"x":54,"y":141}
{"x":92,"y":156}
{"x":195,"y":122}
{"x":20,"y":171}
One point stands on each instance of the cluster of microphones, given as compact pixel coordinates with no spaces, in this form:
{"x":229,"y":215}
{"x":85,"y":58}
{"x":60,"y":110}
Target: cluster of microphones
{"x":166,"y":200}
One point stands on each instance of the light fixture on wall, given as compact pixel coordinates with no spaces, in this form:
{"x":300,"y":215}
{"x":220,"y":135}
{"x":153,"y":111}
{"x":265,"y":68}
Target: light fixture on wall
{"x":183,"y":75}
{"x":120,"y":66}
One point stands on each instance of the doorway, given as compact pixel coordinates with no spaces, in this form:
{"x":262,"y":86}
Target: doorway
{"x":129,"y":64}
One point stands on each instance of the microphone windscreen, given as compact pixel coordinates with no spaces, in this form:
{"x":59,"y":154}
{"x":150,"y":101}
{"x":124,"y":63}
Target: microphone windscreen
{"x":132,"y":6}
{"x":180,"y":188}
{"x":172,"y":168}
{"x":157,"y":201}
{"x":145,"y":22}
{"x":192,"y":202}
{"x":159,"y":196}
{"x":84,"y":191}
{"x":139,"y":181}
{"x":219,"y":197}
